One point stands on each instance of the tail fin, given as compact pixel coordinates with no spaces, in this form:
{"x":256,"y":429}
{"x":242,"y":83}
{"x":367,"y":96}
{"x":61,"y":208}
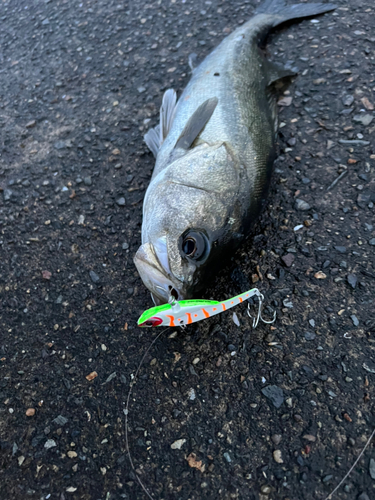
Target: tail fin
{"x":284,"y":12}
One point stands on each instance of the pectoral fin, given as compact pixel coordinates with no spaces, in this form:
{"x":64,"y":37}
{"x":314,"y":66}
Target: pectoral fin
{"x":196,"y":123}
{"x":156,"y":136}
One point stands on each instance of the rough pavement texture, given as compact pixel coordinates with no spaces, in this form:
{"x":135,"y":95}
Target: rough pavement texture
{"x":277,"y":413}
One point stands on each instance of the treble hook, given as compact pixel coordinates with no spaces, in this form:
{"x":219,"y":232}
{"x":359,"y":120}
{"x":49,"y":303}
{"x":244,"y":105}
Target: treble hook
{"x":259,"y":315}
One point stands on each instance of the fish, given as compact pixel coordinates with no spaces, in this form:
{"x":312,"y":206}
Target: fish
{"x":214,"y":149}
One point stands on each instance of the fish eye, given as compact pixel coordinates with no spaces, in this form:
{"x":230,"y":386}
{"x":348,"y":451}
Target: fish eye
{"x":194,"y":245}
{"x":149,"y":323}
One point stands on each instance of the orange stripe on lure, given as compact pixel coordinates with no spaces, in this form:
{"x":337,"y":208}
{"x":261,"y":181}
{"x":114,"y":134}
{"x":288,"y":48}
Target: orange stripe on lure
{"x":185,"y":312}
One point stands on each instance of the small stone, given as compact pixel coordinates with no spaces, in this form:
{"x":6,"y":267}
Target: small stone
{"x":285,"y":101}
{"x":352,"y":280}
{"x":365,"y":119}
{"x":369,"y":366}
{"x":121,"y":201}
{"x":30,"y":412}
{"x":310,"y":336}
{"x":347,"y":100}
{"x":288,"y":259}
{"x":363,"y":496}
{"x":59,"y":145}
{"x":340,"y":249}
{"x":310,"y":438}
{"x":276,"y":438}
{"x":274,"y":394}
{"x":277,"y":457}
{"x":71,"y":489}
{"x":46,"y":275}
{"x":60,"y":420}
{"x":372,"y":242}
{"x":372,"y":468}
{"x":178,"y":444}
{"x":94,"y":277}
{"x":72,"y":454}
{"x":227,"y":457}
{"x":327,"y":478}
{"x":355,"y":320}
{"x":7,"y":194}
{"x":292,"y":141}
{"x":141,"y":89}
{"x":21,"y":460}
{"x":301,"y":205}
{"x":91,"y":376}
{"x":312,"y":322}
{"x":50,"y":443}
{"x":31,"y":124}
{"x":87,"y":180}
{"x":266,"y":490}
{"x":320,"y":275}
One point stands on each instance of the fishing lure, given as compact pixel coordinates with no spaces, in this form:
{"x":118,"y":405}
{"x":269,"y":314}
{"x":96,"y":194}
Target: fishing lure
{"x":185,"y":312}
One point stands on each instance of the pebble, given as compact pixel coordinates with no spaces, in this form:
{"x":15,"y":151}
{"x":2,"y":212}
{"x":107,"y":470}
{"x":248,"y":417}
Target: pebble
{"x":352,"y":280}
{"x":236,"y":321}
{"x":276,"y":438}
{"x":50,"y":443}
{"x":7,"y":193}
{"x":121,"y":201}
{"x":125,"y":246}
{"x":340,"y":249}
{"x":310,"y":336}
{"x":59,"y":145}
{"x":372,"y":468}
{"x":266,"y":490}
{"x":87,"y":181}
{"x":312,"y":322}
{"x":372,"y":242}
{"x":297,"y":228}
{"x":141,"y":89}
{"x":354,"y":319}
{"x":370,"y":367}
{"x":277,"y":457}
{"x":31,"y":124}
{"x":178,"y":444}
{"x":288,"y":259}
{"x":274,"y":394}
{"x":301,"y":205}
{"x":365,"y":119}
{"x":60,"y":421}
{"x":94,"y":277}
{"x":227,"y":457}
{"x":347,"y":100}
{"x":363,"y":496}
{"x":72,"y":454}
{"x":30,"y":412}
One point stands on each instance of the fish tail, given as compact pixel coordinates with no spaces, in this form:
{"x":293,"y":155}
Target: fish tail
{"x":283,"y":12}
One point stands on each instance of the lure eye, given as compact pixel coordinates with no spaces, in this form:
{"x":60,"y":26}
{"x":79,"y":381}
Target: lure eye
{"x":194,"y":245}
{"x":152,"y":322}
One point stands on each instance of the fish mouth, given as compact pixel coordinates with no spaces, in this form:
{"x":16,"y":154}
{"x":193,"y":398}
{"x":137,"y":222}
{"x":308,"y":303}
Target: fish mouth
{"x":155,"y":273}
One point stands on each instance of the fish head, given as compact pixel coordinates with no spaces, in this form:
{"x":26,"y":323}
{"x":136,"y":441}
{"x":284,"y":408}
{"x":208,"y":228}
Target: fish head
{"x":187,"y":216}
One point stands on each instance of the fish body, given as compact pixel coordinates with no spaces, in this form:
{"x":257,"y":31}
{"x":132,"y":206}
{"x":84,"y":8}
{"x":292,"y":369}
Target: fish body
{"x":214,"y":151}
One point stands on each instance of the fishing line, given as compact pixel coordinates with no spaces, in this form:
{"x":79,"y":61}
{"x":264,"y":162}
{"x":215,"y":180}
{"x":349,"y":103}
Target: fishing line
{"x":126,"y":411}
{"x":352,"y":467}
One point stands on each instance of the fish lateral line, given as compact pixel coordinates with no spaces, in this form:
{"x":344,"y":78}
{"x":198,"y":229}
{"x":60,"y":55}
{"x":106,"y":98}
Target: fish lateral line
{"x":185,"y":312}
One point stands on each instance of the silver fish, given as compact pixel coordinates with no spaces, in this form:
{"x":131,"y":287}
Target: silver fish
{"x":214,"y":152}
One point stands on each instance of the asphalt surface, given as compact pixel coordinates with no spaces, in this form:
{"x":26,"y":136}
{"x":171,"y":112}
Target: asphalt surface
{"x":280,"y":412}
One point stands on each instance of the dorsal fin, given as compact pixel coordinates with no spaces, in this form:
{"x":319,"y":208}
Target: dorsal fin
{"x":196,"y":123}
